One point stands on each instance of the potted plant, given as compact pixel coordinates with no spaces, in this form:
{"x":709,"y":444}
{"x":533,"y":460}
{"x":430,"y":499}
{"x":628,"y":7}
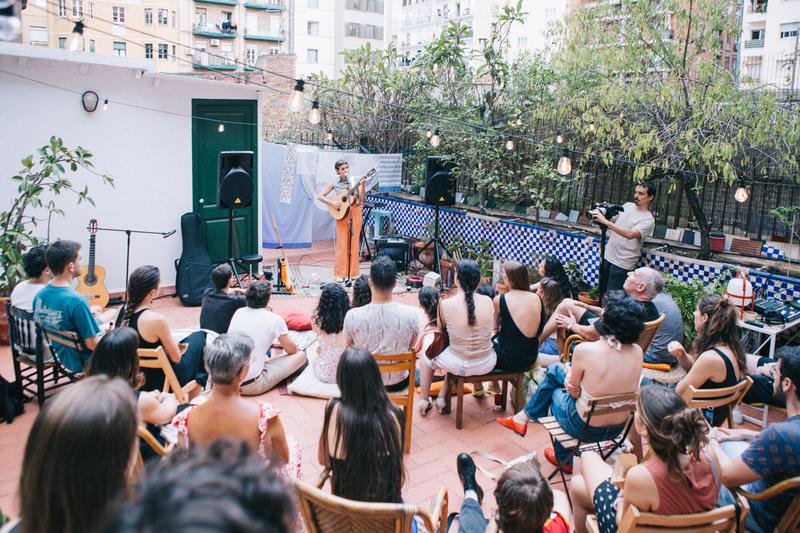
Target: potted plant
{"x":42,"y":179}
{"x":590,"y":297}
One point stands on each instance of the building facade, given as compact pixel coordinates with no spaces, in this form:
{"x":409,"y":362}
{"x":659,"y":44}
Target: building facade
{"x":769,"y":44}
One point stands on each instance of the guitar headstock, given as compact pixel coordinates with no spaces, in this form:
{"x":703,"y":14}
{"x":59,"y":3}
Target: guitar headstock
{"x":371,"y":172}
{"x":92,"y":226}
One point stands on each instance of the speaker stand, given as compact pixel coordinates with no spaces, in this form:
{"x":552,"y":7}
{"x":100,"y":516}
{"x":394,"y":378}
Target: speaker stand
{"x":436,"y":242}
{"x":233,"y":260}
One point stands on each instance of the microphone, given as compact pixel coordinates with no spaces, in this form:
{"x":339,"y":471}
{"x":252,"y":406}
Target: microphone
{"x":168,"y":234}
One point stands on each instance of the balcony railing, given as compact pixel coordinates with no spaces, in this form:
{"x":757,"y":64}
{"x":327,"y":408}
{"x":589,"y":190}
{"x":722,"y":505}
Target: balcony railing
{"x":213,"y":62}
{"x":268,"y":6}
{"x":218,"y":31}
{"x":754,"y":43}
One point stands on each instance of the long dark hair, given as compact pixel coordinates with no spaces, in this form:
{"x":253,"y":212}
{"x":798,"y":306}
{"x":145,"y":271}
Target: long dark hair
{"x":143,"y":280}
{"x":429,"y":301}
{"x":333,"y":305}
{"x":362,"y":294}
{"x":77,"y":457}
{"x":369,"y":433}
{"x":115,"y":356}
{"x":469,"y":276}
{"x":554,"y":269}
{"x":721,"y":328}
{"x":552,"y":295}
{"x":672,"y":428}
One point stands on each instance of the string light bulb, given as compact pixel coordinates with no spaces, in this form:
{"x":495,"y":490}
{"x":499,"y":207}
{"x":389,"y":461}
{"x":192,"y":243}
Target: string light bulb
{"x":329,"y":136}
{"x":510,"y":144}
{"x":77,"y":37}
{"x":519,"y":122}
{"x":221,"y":127}
{"x":742,"y":194}
{"x":559,"y":138}
{"x":564,"y":163}
{"x":105,"y":105}
{"x":429,"y":134}
{"x":296,"y":99}
{"x":314,"y":115}
{"x":435,"y":139}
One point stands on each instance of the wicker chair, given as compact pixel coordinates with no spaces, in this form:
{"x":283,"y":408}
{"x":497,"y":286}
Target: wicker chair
{"x":326,"y":513}
{"x":727,"y":397}
{"x":721,"y":520}
{"x":157,"y":358}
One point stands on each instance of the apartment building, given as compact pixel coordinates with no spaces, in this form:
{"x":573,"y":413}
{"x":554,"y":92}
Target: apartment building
{"x":769,"y":45}
{"x":322,"y":29}
{"x":423,"y":21}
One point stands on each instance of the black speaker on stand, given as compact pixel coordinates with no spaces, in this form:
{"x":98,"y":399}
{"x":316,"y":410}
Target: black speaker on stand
{"x":440,"y":190}
{"x":234,"y":190}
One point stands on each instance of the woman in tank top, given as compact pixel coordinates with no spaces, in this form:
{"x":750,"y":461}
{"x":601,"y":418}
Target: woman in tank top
{"x":519,"y":319}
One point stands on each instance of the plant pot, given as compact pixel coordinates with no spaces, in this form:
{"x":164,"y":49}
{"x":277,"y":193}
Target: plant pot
{"x":5,"y":337}
{"x":487,"y":280}
{"x":585,"y":298}
{"x":716,"y":242}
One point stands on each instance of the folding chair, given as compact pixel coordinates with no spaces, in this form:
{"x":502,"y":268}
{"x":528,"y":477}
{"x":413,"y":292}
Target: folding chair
{"x":727,"y":397}
{"x":404,"y":362}
{"x":157,"y":358}
{"x":791,"y":519}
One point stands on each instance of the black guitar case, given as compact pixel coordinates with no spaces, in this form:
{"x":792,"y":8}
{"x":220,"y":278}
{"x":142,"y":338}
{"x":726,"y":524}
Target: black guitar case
{"x":194,"y":266}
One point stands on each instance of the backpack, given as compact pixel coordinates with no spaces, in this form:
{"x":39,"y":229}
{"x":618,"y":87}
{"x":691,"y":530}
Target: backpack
{"x":11,"y":400}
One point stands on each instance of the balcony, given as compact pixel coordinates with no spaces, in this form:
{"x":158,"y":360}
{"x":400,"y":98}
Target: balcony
{"x":215,"y":32}
{"x":756,"y":6}
{"x":268,"y":38}
{"x":204,"y":60}
{"x":220,"y":2}
{"x":754,"y":43}
{"x":273,"y":6}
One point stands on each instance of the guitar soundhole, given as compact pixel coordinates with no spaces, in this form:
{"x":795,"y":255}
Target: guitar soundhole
{"x":90,"y":280}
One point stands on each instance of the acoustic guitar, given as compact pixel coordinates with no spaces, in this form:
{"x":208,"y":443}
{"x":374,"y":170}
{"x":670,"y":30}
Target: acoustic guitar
{"x":92,"y":281}
{"x":283,"y":264}
{"x":346,"y":198}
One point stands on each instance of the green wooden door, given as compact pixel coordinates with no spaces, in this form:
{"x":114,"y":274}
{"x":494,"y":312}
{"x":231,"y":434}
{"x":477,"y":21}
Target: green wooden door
{"x":241,"y":133}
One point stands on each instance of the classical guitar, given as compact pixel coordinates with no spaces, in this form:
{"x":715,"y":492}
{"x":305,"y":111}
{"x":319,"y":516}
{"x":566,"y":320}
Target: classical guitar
{"x":92,"y":281}
{"x":346,"y":198}
{"x":283,"y":265}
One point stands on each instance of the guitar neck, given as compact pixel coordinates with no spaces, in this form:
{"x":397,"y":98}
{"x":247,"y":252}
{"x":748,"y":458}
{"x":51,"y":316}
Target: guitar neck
{"x":91,"y":254}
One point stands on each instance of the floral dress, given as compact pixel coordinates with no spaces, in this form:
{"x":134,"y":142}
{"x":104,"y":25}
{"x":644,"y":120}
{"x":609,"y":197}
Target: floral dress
{"x":290,"y":471}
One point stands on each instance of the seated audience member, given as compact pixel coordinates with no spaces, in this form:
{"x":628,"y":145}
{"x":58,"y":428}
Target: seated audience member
{"x":78,"y":458}
{"x":327,"y":322}
{"x":35,"y":267}
{"x":383,"y":326}
{"x":154,"y":331}
{"x":263,"y":327}
{"x":468,"y":319}
{"x":227,"y":415}
{"x":224,"y":488}
{"x":643,"y":284}
{"x":525,"y":502}
{"x":428,"y":298}
{"x":362,"y":294}
{"x":518,"y":319}
{"x":762,"y":371}
{"x":678,"y":476}
{"x":362,"y":436}
{"x":671,"y":330}
{"x":610,"y":365}
{"x":220,"y":302}
{"x":756,"y":461}
{"x":486,"y":289}
{"x":717,"y":359}
{"x":551,"y":267}
{"x":550,"y":293}
{"x":58,"y":306}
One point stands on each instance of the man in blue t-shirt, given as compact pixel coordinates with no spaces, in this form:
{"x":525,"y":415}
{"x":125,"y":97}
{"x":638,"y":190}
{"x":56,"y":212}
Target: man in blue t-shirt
{"x":59,"y":306}
{"x":771,"y":456}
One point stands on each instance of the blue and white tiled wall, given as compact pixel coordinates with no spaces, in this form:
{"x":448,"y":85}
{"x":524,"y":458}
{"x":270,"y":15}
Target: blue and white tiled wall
{"x":523,"y":242}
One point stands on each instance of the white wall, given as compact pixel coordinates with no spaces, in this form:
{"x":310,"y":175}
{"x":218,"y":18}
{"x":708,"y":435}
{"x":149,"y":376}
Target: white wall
{"x":148,"y":153}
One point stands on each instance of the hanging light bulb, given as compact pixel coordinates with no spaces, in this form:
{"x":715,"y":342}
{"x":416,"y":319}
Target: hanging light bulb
{"x":564,"y":163}
{"x":76,"y":43}
{"x":559,"y":138}
{"x":221,"y":127}
{"x":510,"y":144}
{"x":329,"y":136}
{"x":435,"y":139}
{"x":314,"y":116}
{"x":742,"y":194}
{"x":429,"y":134}
{"x":296,"y":99}
{"x":519,"y":122}
{"x":105,"y":105}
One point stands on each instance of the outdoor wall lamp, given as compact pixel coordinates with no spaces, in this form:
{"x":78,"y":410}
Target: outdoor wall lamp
{"x":89,"y":99}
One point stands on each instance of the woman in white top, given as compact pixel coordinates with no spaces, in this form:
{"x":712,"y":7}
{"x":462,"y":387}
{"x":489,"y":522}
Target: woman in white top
{"x":327,"y":322}
{"x":468,"y":318}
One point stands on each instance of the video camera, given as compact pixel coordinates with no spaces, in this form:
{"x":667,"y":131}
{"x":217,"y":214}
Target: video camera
{"x":607,"y":210}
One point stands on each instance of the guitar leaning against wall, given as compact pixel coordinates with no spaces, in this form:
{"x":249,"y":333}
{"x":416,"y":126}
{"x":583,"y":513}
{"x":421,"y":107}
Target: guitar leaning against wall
{"x":92,"y":281}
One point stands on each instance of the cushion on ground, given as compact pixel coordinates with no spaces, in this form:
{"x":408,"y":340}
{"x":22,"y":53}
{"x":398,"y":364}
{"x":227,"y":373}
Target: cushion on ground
{"x":307,"y":384}
{"x":297,"y":321}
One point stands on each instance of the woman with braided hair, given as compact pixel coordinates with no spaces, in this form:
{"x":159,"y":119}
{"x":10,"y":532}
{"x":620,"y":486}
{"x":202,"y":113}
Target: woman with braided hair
{"x":468,"y":318}
{"x":154,"y":331}
{"x":678,"y":477}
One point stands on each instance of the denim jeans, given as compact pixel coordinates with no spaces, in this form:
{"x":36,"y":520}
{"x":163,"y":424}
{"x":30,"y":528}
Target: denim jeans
{"x":471,"y":518}
{"x":551,"y":396}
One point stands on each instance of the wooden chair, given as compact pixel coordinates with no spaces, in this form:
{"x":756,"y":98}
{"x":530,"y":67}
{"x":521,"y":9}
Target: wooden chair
{"x":728,"y":397}
{"x":149,"y":438}
{"x":404,"y":362}
{"x":721,"y":520}
{"x":605,"y":405}
{"x":157,"y":358}
{"x":791,"y":519}
{"x":36,"y":368}
{"x":507,"y":378}
{"x":326,"y":513}
{"x":645,"y":338}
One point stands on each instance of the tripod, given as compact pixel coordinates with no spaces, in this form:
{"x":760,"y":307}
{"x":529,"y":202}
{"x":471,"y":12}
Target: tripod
{"x":603,"y":265}
{"x":437,"y":243}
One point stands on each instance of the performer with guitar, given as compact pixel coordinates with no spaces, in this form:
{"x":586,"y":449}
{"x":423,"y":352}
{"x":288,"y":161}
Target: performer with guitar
{"x":348,"y":227}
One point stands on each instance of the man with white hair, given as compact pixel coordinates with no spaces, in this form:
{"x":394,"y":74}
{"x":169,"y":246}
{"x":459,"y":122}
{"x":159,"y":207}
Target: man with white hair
{"x":642,"y":284}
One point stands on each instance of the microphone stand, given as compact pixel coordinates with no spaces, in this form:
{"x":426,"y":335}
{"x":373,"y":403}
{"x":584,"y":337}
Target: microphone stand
{"x":128,"y":232}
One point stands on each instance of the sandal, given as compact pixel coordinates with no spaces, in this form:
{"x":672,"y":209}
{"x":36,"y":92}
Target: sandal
{"x":441,"y":406}
{"x":424,"y":407}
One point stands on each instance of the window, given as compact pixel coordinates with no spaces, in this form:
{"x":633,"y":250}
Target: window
{"x":91,"y":45}
{"x":148,"y":15}
{"x":274,"y":26}
{"x":38,"y":34}
{"x":313,"y":27}
{"x":274,"y":50}
{"x":173,"y":20}
{"x":174,"y":52}
{"x":312,"y":55}
{"x":252,"y":23}
{"x":62,"y":8}
{"x":789,"y":30}
{"x":119,"y":48}
{"x":118,"y":15}
{"x":62,"y":42}
{"x":372,"y":6}
{"x":252,"y":53}
{"x":163,"y":51}
{"x":162,"y":17}
{"x":91,"y":10}
{"x":227,"y":15}
{"x":313,"y":4}
{"x":77,"y":8}
{"x":522,"y":42}
{"x":148,"y":50}
{"x":757,"y":34}
{"x":200,"y":16}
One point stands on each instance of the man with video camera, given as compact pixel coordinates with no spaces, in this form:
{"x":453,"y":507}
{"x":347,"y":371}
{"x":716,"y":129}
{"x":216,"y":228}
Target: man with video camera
{"x":628,"y":231}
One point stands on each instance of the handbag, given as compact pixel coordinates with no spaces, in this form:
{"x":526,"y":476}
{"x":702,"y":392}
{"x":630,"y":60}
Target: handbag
{"x":441,"y":339}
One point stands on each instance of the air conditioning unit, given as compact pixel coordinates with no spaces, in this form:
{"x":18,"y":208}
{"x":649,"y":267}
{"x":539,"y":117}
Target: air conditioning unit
{"x":214,"y":42}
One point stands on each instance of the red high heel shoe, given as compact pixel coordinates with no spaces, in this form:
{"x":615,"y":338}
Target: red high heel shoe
{"x":516,"y":427}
